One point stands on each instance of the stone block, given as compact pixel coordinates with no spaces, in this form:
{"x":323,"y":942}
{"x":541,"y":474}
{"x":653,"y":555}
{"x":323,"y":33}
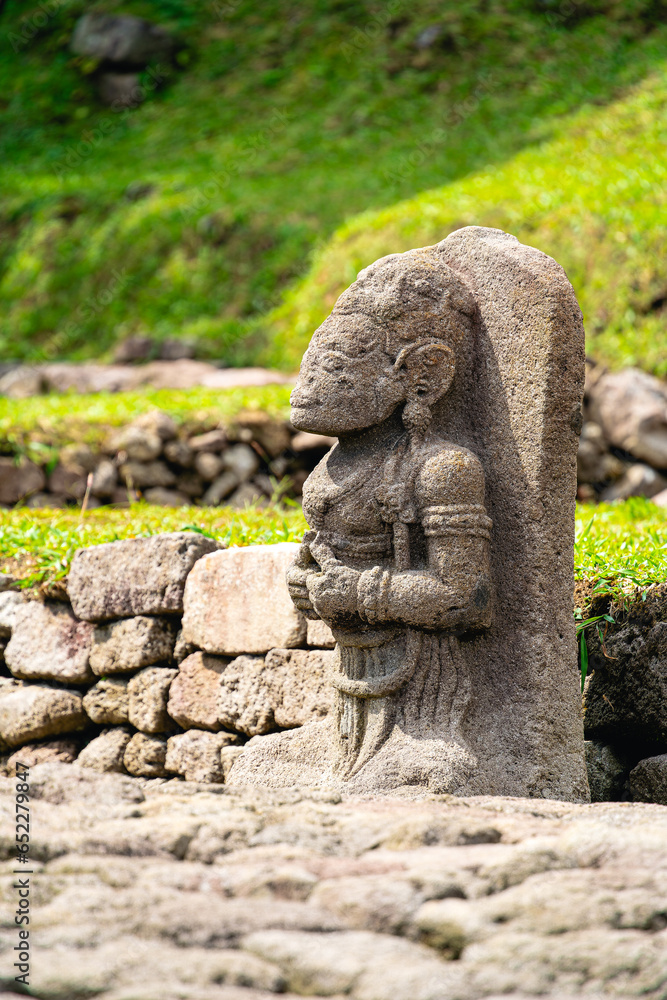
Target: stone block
{"x":32,"y":754}
{"x":148,"y":693}
{"x":140,"y":444}
{"x":35,"y":711}
{"x":631,"y":408}
{"x":131,"y":644}
{"x":195,"y":692}
{"x":136,"y":576}
{"x":648,"y":780}
{"x":236,"y":601}
{"x":105,"y":752}
{"x":319,"y":634}
{"x":10,"y":601}
{"x":142,"y":475}
{"x":624,"y":697}
{"x":287,"y":688}
{"x":196,"y":755}
{"x":228,"y":757}
{"x":18,"y":481}
{"x":49,"y":643}
{"x":107,"y":702}
{"x":608,"y":770}
{"x":145,"y":756}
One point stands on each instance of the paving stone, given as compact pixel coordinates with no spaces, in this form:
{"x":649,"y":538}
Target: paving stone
{"x":49,"y":643}
{"x":132,"y":643}
{"x":236,"y":601}
{"x":137,"y":576}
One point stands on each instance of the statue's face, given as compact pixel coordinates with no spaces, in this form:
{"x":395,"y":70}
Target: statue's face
{"x":346,"y":383}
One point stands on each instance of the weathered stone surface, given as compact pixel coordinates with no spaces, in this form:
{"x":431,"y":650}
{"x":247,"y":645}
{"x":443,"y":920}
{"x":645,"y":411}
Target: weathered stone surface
{"x":136,"y":576}
{"x":182,"y":648}
{"x":242,"y":460}
{"x":624,"y":697}
{"x":320,"y":635}
{"x":148,"y":694}
{"x":32,"y":754}
{"x":157,"y":422}
{"x":19,"y":480}
{"x":207,"y":465}
{"x":196,"y":755}
{"x":106,"y":751}
{"x":660,"y":499}
{"x":607,"y":771}
{"x":145,"y":886}
{"x":68,"y":480}
{"x":107,"y":702}
{"x":34,"y":711}
{"x":195,"y":692}
{"x":272,"y":435}
{"x":648,"y":780}
{"x":145,"y":756}
{"x":288,"y":687}
{"x":236,"y":601}
{"x":212,"y":441}
{"x":228,"y":757}
{"x":453,"y":378}
{"x":631,"y":408}
{"x":139,"y":444}
{"x":121,"y":39}
{"x":105,"y":480}
{"x":10,"y":601}
{"x":49,"y":643}
{"x":132,"y":643}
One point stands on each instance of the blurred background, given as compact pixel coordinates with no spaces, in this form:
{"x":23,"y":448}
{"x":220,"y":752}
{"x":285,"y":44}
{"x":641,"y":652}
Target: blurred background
{"x":186,"y":188}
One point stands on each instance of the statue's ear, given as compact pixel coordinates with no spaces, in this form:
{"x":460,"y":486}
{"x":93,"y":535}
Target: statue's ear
{"x":429,"y":370}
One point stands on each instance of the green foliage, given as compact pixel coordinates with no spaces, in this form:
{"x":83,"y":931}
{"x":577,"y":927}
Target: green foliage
{"x":190,"y":214}
{"x":49,"y":421}
{"x":38,"y":545}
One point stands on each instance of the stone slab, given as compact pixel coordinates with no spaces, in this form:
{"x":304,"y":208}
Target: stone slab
{"x":236,"y":601}
{"x":137,"y":576}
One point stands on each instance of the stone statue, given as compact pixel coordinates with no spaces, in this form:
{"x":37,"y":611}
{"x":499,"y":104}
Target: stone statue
{"x":440,"y":549}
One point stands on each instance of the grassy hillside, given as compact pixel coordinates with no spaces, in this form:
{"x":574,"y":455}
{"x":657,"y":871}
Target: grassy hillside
{"x":190,"y":214}
{"x":594,"y":197}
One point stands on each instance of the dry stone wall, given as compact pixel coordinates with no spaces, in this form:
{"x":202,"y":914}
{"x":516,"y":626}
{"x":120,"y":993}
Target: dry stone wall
{"x":172,"y":652}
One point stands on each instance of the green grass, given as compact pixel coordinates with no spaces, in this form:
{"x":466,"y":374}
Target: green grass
{"x":620,"y":547}
{"x":37,"y":546}
{"x":58,"y":419}
{"x":594,"y":196}
{"x":287,"y":120}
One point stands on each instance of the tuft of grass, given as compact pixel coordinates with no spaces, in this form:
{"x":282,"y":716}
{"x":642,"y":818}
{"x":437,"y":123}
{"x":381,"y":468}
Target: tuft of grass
{"x":37,"y":546}
{"x":59,"y":419}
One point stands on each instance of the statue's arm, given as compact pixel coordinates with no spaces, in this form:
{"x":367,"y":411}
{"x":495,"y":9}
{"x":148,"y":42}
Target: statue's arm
{"x":454,"y":590}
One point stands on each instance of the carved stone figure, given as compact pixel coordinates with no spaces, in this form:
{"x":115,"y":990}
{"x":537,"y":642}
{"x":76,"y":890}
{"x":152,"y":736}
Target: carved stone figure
{"x":440,"y":549}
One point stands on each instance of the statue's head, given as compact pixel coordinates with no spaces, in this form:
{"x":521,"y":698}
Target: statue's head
{"x":392,"y":339}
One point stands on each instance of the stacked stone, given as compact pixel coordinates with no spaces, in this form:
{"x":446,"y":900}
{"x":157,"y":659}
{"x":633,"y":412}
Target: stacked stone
{"x":170,"y":655}
{"x":151,"y":458}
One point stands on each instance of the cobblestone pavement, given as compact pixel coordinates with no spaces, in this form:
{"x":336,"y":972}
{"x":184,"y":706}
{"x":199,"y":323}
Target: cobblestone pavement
{"x":158,"y":890}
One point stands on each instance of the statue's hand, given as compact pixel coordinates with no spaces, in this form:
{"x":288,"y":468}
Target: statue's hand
{"x":333,"y":593}
{"x":297,"y":581}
